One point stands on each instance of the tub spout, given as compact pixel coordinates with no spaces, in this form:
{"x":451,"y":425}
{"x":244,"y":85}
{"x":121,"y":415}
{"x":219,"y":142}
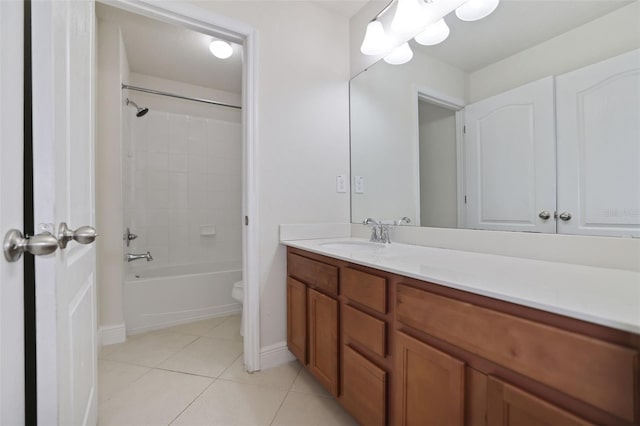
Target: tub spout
{"x":131,"y":257}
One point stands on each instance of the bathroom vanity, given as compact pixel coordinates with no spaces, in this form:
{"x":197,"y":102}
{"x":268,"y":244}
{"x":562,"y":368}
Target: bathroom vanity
{"x":409,"y":335}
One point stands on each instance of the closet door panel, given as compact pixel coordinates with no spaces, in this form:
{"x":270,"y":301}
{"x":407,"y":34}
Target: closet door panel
{"x":510,"y":160}
{"x":598,"y":110}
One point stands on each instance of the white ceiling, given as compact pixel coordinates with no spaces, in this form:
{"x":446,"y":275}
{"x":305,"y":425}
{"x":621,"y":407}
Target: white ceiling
{"x":168,"y":51}
{"x":346,"y":8}
{"x":514,"y":26}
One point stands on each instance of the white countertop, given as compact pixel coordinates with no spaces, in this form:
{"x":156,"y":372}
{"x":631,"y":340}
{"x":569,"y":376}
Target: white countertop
{"x":609,"y":297}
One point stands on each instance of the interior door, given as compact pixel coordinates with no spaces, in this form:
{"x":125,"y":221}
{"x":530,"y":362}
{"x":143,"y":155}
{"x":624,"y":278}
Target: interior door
{"x":63,"y":122}
{"x":510,"y":167}
{"x":11,"y":189}
{"x":599,"y":148}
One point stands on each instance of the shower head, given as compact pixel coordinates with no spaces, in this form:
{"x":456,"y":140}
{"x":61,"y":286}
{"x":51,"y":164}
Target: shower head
{"x":141,"y":111}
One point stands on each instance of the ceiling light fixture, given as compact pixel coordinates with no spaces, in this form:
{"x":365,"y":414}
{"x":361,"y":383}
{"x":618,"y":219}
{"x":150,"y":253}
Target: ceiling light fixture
{"x":427,"y":24}
{"x":376,"y":41}
{"x":400,"y":55}
{"x":474,"y":10}
{"x":409,"y":16}
{"x":434,"y":34}
{"x":221,"y":49}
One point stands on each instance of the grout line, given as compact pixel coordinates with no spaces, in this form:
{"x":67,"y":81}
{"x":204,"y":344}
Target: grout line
{"x":194,"y":400}
{"x":231,"y":365}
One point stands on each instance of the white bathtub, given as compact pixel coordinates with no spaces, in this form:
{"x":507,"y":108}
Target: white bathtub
{"x":165,"y":296}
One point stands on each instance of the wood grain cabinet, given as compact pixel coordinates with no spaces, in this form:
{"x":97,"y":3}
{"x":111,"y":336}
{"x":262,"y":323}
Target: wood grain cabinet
{"x":429,"y":385}
{"x":323,"y":339}
{"x":399,"y":351}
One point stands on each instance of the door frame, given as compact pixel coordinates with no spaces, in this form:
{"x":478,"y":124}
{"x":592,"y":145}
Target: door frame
{"x":208,"y":22}
{"x":427,"y":94}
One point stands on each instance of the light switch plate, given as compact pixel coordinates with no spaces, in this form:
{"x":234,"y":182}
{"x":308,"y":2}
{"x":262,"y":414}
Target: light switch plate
{"x":359,"y":184}
{"x":341,"y":184}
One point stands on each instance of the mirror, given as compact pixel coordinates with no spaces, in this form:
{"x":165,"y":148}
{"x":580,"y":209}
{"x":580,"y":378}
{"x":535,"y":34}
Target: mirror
{"x":526,"y":120}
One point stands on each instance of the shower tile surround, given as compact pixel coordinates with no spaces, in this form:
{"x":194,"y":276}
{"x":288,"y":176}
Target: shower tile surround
{"x":182,"y":172}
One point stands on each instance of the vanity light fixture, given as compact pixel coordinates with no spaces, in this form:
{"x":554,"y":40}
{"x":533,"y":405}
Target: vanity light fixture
{"x":411,"y":17}
{"x":474,"y":10}
{"x":221,"y":49}
{"x":376,"y":41}
{"x":400,"y":55}
{"x":434,"y":34}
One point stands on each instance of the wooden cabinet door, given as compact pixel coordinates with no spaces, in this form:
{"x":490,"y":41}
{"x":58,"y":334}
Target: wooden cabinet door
{"x":364,"y":389}
{"x":297,"y":319}
{"x":509,"y":406}
{"x":429,"y":385}
{"x":323,"y":339}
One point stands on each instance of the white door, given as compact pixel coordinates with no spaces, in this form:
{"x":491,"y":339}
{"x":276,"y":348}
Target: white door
{"x":11,"y":274}
{"x":510,"y":179}
{"x":599,"y":148}
{"x":63,"y":120}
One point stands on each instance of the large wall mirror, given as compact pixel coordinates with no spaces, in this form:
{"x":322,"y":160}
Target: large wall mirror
{"x":527,"y":120}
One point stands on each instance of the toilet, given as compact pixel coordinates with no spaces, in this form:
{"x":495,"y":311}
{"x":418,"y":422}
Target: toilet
{"x":238,"y":295}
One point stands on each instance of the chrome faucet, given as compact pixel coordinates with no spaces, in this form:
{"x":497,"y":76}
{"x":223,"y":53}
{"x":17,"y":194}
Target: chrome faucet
{"x":380,"y":230}
{"x":131,"y":257}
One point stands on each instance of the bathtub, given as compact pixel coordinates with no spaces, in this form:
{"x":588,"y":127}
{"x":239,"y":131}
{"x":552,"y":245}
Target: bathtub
{"x":161,"y":297}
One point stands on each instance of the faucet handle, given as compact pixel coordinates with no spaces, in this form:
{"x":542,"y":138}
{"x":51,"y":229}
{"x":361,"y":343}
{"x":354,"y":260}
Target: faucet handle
{"x":401,"y":221}
{"x":369,"y":221}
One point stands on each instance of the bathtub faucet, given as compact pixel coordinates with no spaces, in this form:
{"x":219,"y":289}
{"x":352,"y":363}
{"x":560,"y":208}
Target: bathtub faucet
{"x":131,"y":257}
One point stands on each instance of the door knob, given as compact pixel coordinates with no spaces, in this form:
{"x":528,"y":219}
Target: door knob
{"x":565,"y":216}
{"x":544,"y":215}
{"x":15,"y":244}
{"x":82,"y":235}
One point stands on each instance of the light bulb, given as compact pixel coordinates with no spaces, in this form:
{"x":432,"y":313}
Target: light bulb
{"x":434,"y":34}
{"x":473,"y":10}
{"x":375,"y":40}
{"x":220,"y":49}
{"x":400,"y":55}
{"x":409,"y":17}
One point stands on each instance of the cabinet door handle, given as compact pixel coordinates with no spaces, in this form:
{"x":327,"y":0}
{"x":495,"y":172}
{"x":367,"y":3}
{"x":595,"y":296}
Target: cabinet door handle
{"x":544,"y":215}
{"x":566,"y":216}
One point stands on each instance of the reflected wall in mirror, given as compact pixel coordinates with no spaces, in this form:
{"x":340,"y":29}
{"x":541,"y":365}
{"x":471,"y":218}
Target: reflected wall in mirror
{"x":528,"y":120}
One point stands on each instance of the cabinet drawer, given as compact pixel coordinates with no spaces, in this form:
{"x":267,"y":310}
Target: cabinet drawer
{"x":364,"y":392}
{"x":314,"y":273}
{"x":597,"y":372}
{"x":364,"y":329}
{"x":367,"y":289}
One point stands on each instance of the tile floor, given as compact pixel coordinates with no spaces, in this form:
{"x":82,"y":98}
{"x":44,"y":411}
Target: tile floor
{"x":193,"y":374}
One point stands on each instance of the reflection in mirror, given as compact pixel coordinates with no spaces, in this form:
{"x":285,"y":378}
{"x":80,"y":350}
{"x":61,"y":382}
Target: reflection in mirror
{"x":525,"y":121}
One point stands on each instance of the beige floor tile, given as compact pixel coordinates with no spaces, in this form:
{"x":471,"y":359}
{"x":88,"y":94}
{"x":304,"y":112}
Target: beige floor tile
{"x":148,"y":349}
{"x":301,"y":409}
{"x":305,"y":383}
{"x":113,"y":377}
{"x":229,"y":329}
{"x":230,"y":403}
{"x":156,"y":399}
{"x":206,"y":357}
{"x":197,"y":328}
{"x":280,"y":377}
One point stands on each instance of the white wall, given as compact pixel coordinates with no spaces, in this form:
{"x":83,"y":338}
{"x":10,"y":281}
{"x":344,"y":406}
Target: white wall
{"x":185,"y":166}
{"x":438,"y":166}
{"x":112,"y":70}
{"x":613,"y":34}
{"x":384,"y":133}
{"x":303,"y":131}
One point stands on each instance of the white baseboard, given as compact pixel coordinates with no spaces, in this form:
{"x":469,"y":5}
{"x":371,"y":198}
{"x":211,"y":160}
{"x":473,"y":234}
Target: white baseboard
{"x":275,"y":355}
{"x":110,"y":334}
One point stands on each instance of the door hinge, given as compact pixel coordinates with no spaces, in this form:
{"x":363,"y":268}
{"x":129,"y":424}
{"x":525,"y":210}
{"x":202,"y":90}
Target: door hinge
{"x":246,"y":220}
{"x":465,"y":199}
{"x":464,"y":129}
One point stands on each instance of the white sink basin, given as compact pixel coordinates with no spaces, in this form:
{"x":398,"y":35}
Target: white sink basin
{"x":352,"y":246}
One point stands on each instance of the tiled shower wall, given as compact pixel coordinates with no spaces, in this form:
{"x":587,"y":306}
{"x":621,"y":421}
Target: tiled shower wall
{"x":182,"y":177}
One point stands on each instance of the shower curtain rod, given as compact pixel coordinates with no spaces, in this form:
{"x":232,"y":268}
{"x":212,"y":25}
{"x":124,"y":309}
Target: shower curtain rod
{"x":172,"y":95}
